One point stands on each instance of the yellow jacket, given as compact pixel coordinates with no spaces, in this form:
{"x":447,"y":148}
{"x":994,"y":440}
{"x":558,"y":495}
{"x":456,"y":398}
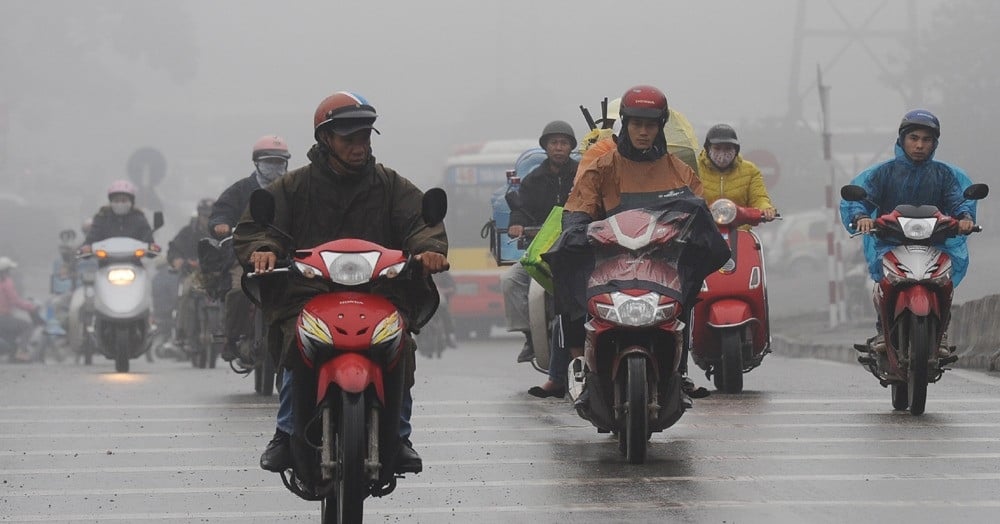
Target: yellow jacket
{"x":742,"y":183}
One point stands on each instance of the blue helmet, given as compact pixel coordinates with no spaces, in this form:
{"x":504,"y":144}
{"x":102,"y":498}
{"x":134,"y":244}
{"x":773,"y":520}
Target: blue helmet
{"x":920,"y":118}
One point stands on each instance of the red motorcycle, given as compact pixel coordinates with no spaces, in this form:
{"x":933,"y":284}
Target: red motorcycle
{"x":635,"y":340}
{"x":913,"y":298}
{"x":353,"y":341}
{"x":730,"y":333}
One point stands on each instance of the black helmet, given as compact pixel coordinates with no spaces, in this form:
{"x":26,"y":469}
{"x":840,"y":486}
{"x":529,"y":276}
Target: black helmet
{"x":722,"y":134}
{"x":920,"y":118}
{"x":557,"y":127}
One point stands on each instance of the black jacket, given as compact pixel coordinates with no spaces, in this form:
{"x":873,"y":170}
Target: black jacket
{"x":107,"y":224}
{"x":233,"y":202}
{"x":185,"y":244}
{"x":540,"y":191}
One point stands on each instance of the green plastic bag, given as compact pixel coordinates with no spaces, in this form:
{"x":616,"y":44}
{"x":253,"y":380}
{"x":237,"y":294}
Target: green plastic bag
{"x":547,"y":235}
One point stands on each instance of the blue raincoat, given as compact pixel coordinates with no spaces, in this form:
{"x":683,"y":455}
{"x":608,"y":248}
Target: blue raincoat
{"x":901,"y":181}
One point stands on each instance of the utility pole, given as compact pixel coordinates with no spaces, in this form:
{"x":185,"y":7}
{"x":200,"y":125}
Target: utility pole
{"x":834,"y":262}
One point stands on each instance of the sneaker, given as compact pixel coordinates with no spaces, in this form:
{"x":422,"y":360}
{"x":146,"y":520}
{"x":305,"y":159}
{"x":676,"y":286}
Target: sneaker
{"x":527,"y":353}
{"x":689,"y":389}
{"x":944,"y":349}
{"x":277,"y":456}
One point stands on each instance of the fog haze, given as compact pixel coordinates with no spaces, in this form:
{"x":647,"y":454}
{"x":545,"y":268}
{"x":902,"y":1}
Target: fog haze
{"x":87,"y":83}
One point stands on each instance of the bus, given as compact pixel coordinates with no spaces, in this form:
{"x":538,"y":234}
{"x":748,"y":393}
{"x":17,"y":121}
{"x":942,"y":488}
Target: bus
{"x":471,"y":175}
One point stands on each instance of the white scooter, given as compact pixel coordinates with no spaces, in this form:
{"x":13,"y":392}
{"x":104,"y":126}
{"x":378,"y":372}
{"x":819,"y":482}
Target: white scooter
{"x":112,"y":307}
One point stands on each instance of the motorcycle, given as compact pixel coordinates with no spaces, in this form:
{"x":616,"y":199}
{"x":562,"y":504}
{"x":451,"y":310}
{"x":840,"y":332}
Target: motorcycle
{"x":634,"y":335}
{"x":354,"y":341}
{"x":730,"y":332}
{"x":118,"y":324}
{"x":913,"y":297}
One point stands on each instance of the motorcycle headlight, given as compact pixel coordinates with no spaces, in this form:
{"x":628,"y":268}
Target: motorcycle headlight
{"x":638,"y":311}
{"x":122,"y":276}
{"x":350,"y":269}
{"x":917,"y":228}
{"x":723,"y":211}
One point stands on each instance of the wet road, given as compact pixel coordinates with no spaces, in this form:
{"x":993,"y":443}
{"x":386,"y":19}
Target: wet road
{"x":810,"y":441}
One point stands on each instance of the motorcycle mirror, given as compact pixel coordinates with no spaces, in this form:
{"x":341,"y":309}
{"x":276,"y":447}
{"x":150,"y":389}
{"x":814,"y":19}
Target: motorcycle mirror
{"x":262,"y":207}
{"x":434,"y":206}
{"x":852,"y":193}
{"x":976,"y":192}
{"x":67,"y":235}
{"x":157,"y":220}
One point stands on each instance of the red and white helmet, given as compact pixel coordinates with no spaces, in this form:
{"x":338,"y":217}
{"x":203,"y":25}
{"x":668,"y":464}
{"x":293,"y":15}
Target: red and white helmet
{"x":270,"y":146}
{"x":122,"y":187}
{"x":345,"y":113}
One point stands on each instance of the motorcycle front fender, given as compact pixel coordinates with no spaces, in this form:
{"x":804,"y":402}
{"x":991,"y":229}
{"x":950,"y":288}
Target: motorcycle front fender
{"x":352,"y":373}
{"x":917,"y":299}
{"x":729,"y":312}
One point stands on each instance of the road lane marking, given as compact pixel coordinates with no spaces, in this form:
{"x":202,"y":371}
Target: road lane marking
{"x":512,"y":462}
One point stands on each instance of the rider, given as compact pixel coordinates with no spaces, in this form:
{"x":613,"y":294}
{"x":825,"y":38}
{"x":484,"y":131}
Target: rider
{"x":341,"y":193}
{"x":724,"y":173}
{"x":120,"y":218}
{"x":545,"y":186}
{"x":270,"y":159}
{"x":912,"y":177}
{"x":14,"y":329}
{"x":182,"y":255}
{"x":637,"y":172}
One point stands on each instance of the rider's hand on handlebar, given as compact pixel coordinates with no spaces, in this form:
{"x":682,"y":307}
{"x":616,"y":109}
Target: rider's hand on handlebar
{"x":221,"y":230}
{"x":515,"y":231}
{"x":84,"y":249}
{"x":864,"y":225}
{"x":965,"y":226}
{"x":769,"y":213}
{"x":433,"y":262}
{"x":263,"y":261}
{"x":177,"y":263}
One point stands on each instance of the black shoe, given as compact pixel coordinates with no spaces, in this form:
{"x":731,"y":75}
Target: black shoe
{"x":277,"y":456}
{"x":408,"y":461}
{"x":527,"y":353}
{"x":540,"y":392}
{"x":688,"y":387}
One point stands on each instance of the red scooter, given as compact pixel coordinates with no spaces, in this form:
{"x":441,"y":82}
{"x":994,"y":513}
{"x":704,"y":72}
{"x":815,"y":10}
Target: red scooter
{"x":634,"y":338}
{"x":730,"y":333}
{"x":354,"y":342}
{"x":913,"y":297}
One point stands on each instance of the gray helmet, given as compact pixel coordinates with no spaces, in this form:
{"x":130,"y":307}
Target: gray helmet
{"x":722,"y":134}
{"x":557,"y":127}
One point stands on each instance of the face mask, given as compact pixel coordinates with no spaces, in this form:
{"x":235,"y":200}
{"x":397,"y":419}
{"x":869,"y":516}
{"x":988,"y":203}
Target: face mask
{"x":269,"y":171}
{"x":722,"y":158}
{"x":121,"y":208}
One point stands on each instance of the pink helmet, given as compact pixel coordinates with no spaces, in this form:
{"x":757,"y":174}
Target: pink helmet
{"x":270,"y":146}
{"x":123,"y":187}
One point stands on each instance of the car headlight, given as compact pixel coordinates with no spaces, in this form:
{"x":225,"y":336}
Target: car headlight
{"x":350,"y":269}
{"x":122,"y":276}
{"x":917,"y":228}
{"x":638,"y":311}
{"x":723,"y":211}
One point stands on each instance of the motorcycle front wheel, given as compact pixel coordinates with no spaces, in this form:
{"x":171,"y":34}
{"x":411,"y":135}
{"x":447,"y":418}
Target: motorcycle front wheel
{"x":633,"y":437}
{"x":728,"y":377}
{"x":350,"y":453}
{"x":122,"y":350}
{"x":922,"y":338}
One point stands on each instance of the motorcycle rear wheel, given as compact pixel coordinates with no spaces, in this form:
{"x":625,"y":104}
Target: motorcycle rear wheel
{"x":350,"y":453}
{"x":728,"y":377}
{"x":921,"y":340}
{"x":634,"y":435}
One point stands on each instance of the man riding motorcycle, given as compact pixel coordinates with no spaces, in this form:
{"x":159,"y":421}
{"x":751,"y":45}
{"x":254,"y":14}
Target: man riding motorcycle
{"x":270,"y":159}
{"x":634,"y":174}
{"x":912,"y":177}
{"x":545,"y":186}
{"x":342,"y":193}
{"x":182,"y":255}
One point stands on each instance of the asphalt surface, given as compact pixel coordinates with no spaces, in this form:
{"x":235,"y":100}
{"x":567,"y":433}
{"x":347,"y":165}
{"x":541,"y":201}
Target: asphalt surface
{"x":809,"y":441}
